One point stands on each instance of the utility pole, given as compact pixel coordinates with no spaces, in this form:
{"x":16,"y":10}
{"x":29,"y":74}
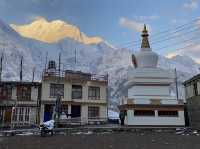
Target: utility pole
{"x":59,"y":64}
{"x":21,"y":64}
{"x":33,"y":76}
{"x":58,"y":98}
{"x":46,"y":61}
{"x":1,"y":67}
{"x":75,"y":60}
{"x":176,"y":82}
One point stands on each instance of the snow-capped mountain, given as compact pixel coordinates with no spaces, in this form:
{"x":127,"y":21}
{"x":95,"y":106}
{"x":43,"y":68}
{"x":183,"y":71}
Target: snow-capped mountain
{"x":98,"y":58}
{"x":53,"y":31}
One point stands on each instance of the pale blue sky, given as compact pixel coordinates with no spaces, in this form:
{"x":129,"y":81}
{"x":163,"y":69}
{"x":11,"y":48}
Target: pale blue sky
{"x":113,"y":20}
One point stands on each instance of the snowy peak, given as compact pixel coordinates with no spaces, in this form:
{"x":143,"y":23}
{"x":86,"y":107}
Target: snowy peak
{"x":53,"y":31}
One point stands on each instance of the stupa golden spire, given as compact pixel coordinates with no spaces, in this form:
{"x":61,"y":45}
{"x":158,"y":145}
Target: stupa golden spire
{"x":145,"y":40}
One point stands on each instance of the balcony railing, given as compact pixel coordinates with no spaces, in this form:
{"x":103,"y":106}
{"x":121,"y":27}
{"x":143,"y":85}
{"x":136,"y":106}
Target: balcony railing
{"x":69,"y":74}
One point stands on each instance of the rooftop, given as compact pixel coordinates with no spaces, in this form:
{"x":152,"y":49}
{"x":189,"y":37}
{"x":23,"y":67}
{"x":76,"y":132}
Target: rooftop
{"x":193,"y":79}
{"x":20,"y":83}
{"x":73,"y":75}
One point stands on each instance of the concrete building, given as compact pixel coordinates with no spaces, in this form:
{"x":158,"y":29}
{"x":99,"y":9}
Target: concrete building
{"x":149,"y":101}
{"x":192,"y":95}
{"x":19,"y":103}
{"x":83,"y":95}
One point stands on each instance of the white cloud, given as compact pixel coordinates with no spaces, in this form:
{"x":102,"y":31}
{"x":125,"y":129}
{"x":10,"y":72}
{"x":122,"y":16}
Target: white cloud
{"x":32,"y":18}
{"x":178,"y":21}
{"x":191,"y":51}
{"x":192,"y":5}
{"x":147,"y":18}
{"x":132,"y":25}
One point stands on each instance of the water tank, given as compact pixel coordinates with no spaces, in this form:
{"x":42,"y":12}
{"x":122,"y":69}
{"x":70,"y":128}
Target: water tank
{"x":52,"y":65}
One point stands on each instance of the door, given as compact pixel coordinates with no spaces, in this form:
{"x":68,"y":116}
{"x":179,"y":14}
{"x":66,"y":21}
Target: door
{"x":75,"y":111}
{"x":7,"y":116}
{"x":48,"y":112}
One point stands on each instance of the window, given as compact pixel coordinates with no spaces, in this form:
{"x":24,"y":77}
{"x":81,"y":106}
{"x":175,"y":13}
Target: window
{"x":23,"y":93}
{"x":93,"y":112}
{"x":93,"y":93}
{"x":168,"y":113}
{"x":76,"y":92}
{"x":27,"y":111}
{"x":21,"y":114}
{"x":56,"y":90}
{"x":144,"y":113}
{"x":5,"y":92}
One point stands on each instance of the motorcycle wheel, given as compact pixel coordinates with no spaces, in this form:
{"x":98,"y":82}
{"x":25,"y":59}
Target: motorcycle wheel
{"x":51,"y":132}
{"x":42,"y":134}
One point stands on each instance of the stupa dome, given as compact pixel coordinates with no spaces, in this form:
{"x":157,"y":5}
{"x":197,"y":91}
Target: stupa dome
{"x":146,"y":57}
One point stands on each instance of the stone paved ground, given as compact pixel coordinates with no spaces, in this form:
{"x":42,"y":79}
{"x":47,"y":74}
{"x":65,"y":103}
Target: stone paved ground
{"x":121,"y":140}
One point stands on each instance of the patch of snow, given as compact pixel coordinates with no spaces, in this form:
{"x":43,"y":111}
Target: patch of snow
{"x":113,"y":114}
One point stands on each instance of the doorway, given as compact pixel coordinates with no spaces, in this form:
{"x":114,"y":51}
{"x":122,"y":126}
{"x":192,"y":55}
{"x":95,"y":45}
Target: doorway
{"x":48,"y":112}
{"x":7,"y":116}
{"x":75,"y":111}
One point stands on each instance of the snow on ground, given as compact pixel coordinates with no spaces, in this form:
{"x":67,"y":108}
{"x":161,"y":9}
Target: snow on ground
{"x":113,"y":114}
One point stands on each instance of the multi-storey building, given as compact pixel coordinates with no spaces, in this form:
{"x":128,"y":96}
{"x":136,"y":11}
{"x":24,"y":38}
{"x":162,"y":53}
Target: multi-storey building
{"x":19,"y":103}
{"x":83,"y":95}
{"x":192,"y":95}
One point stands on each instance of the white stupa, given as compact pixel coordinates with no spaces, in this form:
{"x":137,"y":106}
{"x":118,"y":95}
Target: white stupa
{"x":149,"y":101}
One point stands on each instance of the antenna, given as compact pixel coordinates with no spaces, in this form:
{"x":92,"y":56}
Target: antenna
{"x":33,"y":76}
{"x":176,"y":82}
{"x":21,"y":63}
{"x":1,"y":65}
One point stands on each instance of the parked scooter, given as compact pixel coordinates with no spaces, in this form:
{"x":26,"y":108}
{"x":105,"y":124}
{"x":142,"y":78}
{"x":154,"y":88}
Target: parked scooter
{"x":46,"y":128}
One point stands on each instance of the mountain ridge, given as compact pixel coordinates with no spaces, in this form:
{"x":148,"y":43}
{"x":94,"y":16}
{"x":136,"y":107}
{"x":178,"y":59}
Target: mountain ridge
{"x":53,"y":31}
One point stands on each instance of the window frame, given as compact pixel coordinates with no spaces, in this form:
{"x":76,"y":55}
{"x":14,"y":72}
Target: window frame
{"x":23,"y":93}
{"x":93,"y":93}
{"x":54,"y":88}
{"x":77,"y":91}
{"x":145,"y":113}
{"x":92,"y":110}
{"x":161,"y":113}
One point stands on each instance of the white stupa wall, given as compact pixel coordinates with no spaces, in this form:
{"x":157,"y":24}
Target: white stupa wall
{"x":148,"y":90}
{"x":154,"y":120}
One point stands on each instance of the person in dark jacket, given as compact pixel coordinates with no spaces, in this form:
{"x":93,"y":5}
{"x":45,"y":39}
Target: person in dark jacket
{"x":122,"y":116}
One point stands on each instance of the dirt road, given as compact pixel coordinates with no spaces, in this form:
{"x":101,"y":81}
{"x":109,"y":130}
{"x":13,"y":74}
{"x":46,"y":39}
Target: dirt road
{"x":103,"y":141}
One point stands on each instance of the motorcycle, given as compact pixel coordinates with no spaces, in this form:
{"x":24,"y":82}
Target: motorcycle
{"x":46,"y":128}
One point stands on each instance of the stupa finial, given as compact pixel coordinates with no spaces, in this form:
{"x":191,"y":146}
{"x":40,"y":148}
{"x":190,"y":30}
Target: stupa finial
{"x":145,"y":40}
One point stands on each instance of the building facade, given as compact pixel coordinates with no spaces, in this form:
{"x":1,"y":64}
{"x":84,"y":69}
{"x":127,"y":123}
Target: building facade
{"x":19,"y":103}
{"x":149,"y":101}
{"x":192,"y":95}
{"x":83,"y":95}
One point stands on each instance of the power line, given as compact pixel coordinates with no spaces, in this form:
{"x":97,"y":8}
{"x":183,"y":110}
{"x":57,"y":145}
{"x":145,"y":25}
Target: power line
{"x":163,"y":33}
{"x":169,"y":37}
{"x":181,"y":48}
{"x":174,"y":36}
{"x":178,"y":43}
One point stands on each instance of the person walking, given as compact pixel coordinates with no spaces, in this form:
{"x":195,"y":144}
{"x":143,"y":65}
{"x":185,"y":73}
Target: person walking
{"x":122,"y":117}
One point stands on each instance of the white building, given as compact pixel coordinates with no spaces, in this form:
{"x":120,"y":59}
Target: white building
{"x":83,"y":95}
{"x":149,"y":101}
